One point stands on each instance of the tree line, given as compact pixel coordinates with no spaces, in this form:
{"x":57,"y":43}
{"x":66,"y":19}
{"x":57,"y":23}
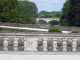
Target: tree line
{"x":14,"y":11}
{"x":70,"y":13}
{"x":53,"y":14}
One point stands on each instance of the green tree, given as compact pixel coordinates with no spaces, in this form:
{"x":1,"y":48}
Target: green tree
{"x":53,"y":14}
{"x":54,"y":22}
{"x":14,"y":11}
{"x":29,"y":12}
{"x":71,"y":13}
{"x":9,"y":11}
{"x":42,"y":22}
{"x":65,"y":9}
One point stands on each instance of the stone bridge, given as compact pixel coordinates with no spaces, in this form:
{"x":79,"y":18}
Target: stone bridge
{"x":39,"y":42}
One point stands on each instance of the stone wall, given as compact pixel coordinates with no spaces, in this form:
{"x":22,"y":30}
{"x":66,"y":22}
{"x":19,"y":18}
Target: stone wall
{"x":66,"y":28}
{"x":63,"y":28}
{"x":24,"y":25}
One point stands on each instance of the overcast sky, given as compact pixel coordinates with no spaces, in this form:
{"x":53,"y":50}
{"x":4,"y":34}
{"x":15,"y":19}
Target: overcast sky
{"x":49,"y":5}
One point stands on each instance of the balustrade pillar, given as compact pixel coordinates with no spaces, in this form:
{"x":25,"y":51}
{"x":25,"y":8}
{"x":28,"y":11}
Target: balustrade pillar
{"x":25,"y":44}
{"x":44,"y":44}
{"x":5,"y":44}
{"x":36,"y":43}
{"x":15,"y":44}
{"x":55,"y":45}
{"x":64,"y":45}
{"x":74,"y":45}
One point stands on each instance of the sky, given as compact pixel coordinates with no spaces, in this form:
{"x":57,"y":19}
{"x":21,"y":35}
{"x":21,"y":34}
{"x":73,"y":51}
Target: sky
{"x":49,"y":5}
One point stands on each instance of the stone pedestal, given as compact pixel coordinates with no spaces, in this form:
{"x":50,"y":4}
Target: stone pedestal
{"x":15,"y":44}
{"x":5,"y":44}
{"x":55,"y":45}
{"x":25,"y":44}
{"x":64,"y":45}
{"x":74,"y":45}
{"x":44,"y":44}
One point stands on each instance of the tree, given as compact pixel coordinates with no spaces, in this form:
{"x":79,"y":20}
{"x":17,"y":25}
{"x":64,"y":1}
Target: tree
{"x":54,"y":22}
{"x":71,"y":13}
{"x":9,"y":11}
{"x":29,"y":12}
{"x":14,"y":11}
{"x":42,"y":22}
{"x":53,"y":14}
{"x":65,"y":9}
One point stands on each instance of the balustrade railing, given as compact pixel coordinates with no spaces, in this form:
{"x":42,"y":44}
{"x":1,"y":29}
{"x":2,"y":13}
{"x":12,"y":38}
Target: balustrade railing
{"x":30,"y":42}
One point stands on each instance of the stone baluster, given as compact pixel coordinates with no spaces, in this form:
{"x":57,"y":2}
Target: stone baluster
{"x":74,"y":45}
{"x":25,"y":44}
{"x":64,"y":45}
{"x":15,"y":44}
{"x":44,"y":44}
{"x":55,"y":44}
{"x":5,"y":44}
{"x":36,"y":43}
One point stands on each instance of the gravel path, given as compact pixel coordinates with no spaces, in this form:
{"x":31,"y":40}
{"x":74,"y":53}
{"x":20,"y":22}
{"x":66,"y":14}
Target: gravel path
{"x":38,"y":57}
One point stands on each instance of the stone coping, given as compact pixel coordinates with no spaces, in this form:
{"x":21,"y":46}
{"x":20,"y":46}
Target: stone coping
{"x":40,"y":35}
{"x":39,"y":53}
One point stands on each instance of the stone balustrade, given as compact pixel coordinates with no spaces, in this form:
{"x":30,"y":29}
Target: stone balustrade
{"x":31,"y":42}
{"x":55,"y":44}
{"x":5,"y":44}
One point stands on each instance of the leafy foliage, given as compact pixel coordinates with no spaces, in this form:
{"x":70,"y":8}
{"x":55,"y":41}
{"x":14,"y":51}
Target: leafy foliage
{"x":53,"y":14}
{"x":9,"y":11}
{"x":71,"y":13}
{"x":54,"y":22}
{"x":74,"y":32}
{"x":55,"y":30}
{"x":28,"y":11}
{"x":14,"y":11}
{"x":42,"y":22}
{"x":1,"y":29}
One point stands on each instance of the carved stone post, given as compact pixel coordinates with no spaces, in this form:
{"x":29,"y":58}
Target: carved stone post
{"x":15,"y":44}
{"x":36,"y":45}
{"x":25,"y":44}
{"x":44,"y":44}
{"x":74,"y":45}
{"x":55,"y":44}
{"x":5,"y":44}
{"x":64,"y":45}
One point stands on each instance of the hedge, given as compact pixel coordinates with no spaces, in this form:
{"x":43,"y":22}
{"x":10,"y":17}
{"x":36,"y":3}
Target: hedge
{"x":55,"y":30}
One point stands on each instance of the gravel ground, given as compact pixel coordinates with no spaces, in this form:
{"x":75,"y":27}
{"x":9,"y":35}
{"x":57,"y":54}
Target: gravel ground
{"x":38,"y":57}
{"x":10,"y":55}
